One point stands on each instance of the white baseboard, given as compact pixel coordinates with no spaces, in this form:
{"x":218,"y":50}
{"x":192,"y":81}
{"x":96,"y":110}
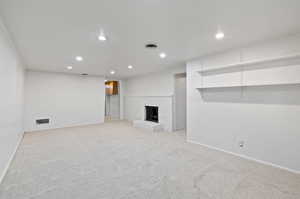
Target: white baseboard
{"x":246,"y":157}
{"x":62,"y":127}
{"x":11,"y":158}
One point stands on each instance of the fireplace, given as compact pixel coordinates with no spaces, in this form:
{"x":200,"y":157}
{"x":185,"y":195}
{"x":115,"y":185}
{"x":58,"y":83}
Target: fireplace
{"x":151,"y":113}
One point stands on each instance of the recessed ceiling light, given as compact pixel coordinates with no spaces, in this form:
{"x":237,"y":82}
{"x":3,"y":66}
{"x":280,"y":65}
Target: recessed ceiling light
{"x":220,"y":35}
{"x":102,"y":37}
{"x":79,"y":58}
{"x":69,"y":67}
{"x":162,"y":55}
{"x":130,"y":67}
{"x":112,"y":72}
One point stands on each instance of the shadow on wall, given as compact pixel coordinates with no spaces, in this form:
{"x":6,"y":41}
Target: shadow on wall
{"x":274,"y":94}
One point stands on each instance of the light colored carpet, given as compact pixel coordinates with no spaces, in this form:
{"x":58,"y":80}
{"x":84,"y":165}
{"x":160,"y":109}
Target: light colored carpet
{"x":116,"y":161}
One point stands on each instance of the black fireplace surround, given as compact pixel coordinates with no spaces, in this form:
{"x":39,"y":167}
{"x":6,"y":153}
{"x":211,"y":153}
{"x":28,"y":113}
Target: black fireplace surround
{"x":151,"y":113}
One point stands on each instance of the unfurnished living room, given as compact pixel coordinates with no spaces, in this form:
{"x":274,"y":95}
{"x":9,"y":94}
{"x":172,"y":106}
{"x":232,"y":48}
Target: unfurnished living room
{"x":150,"y":99}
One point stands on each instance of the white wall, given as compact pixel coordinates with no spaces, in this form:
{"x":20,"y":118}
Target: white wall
{"x":68,"y":100}
{"x":266,"y":118}
{"x":154,"y":84}
{"x":11,"y":100}
{"x":152,"y":89}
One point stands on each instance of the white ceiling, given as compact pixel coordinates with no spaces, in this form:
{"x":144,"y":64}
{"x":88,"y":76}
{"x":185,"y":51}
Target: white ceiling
{"x":49,"y":34}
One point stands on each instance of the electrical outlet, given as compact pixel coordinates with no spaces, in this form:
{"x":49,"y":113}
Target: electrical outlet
{"x":241,"y":144}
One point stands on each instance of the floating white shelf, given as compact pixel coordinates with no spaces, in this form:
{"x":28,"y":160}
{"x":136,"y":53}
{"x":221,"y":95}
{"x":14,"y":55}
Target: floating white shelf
{"x":249,"y":63}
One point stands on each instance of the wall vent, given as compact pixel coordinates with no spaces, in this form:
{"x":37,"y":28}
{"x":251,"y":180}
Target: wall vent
{"x":42,"y":121}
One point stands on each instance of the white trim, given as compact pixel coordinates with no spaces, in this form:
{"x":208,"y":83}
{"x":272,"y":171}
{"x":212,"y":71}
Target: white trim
{"x":246,"y":157}
{"x":62,"y":127}
{"x":11,"y":158}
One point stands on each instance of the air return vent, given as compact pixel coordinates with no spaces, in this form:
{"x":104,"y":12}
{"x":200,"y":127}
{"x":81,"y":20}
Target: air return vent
{"x":42,"y":121}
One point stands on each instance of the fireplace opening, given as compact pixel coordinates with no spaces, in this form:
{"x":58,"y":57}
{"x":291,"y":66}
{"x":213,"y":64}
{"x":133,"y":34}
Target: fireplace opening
{"x":151,"y":113}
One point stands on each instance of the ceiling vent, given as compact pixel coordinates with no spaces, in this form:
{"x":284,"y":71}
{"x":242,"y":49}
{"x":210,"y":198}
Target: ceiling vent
{"x":151,"y":46}
{"x":84,"y":74}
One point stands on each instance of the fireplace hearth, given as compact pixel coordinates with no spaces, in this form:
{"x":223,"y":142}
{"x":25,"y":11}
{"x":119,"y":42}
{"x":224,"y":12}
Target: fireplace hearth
{"x":151,"y":113}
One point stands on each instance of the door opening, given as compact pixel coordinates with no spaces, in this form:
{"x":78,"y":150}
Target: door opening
{"x":112,"y":100}
{"x":180,"y":102}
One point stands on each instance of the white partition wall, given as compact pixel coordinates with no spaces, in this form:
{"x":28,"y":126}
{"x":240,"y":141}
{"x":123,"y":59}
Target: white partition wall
{"x":249,"y":95}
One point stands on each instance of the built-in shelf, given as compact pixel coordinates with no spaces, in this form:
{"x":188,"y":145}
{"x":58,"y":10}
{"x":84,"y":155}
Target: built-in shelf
{"x":284,"y":70}
{"x":250,"y":63}
{"x":216,"y":87}
{"x":254,"y":85}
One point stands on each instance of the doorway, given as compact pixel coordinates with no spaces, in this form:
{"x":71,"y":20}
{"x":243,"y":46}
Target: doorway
{"x":180,"y":102}
{"x":112,"y":100}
